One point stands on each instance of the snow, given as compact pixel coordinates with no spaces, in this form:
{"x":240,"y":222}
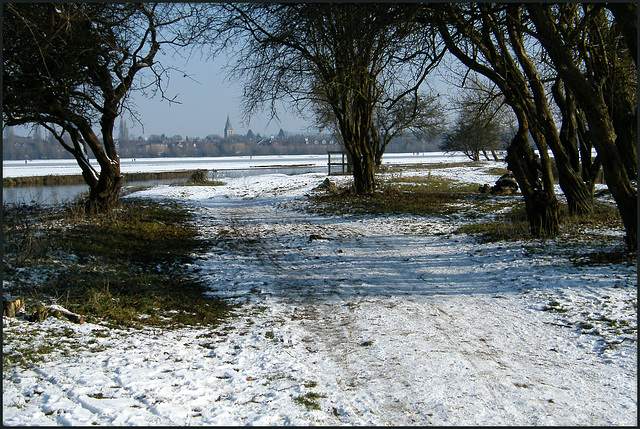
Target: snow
{"x":16,"y":168}
{"x":388,"y":320}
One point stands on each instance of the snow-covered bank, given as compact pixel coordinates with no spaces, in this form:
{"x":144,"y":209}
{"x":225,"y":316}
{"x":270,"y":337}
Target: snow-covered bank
{"x":358,"y":321}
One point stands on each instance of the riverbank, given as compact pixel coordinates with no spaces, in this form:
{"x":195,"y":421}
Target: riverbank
{"x":71,"y":179}
{"x":141,"y":165}
{"x":56,"y":181}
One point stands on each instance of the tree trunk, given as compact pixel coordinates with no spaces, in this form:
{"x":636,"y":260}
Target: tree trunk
{"x":364,"y":179}
{"x":541,"y":205}
{"x":103,"y":192}
{"x":360,"y":148}
{"x":578,"y":187}
{"x":579,"y":199}
{"x":543,"y":214}
{"x":600,"y":124}
{"x":540,"y":199}
{"x":103,"y":197}
{"x":625,"y":123}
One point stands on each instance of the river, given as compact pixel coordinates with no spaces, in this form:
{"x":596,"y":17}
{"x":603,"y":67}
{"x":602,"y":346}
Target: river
{"x":220,"y":167}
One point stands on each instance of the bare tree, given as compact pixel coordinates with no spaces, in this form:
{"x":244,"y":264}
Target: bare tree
{"x":480,"y":124}
{"x":477,"y":36}
{"x":71,"y":66}
{"x":417,"y":113}
{"x":353,"y":58}
{"x":471,"y":136}
{"x":420,"y":114}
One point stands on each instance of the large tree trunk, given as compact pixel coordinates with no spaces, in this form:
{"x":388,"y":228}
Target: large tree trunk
{"x":103,"y":197}
{"x":364,"y":169}
{"x":579,"y":197}
{"x":578,"y":186}
{"x":600,"y":124}
{"x":540,"y":199}
{"x":361,"y":150}
{"x":103,"y":192}
{"x":541,"y":204}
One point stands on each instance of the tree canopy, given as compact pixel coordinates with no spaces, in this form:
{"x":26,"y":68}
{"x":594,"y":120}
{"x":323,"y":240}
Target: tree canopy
{"x":351,"y":58}
{"x":567,"y":71}
{"x":70,"y":67}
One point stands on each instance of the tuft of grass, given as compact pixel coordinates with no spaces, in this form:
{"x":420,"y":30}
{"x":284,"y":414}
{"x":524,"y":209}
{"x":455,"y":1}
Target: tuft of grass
{"x":309,"y":400}
{"x":604,"y":216}
{"x":555,"y":307}
{"x":510,"y":226}
{"x":605,"y":258}
{"x":498,"y":171}
{"x":200,"y":178}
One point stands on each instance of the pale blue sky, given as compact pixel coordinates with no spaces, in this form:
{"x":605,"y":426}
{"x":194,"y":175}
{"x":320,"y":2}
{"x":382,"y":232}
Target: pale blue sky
{"x":206,"y":98}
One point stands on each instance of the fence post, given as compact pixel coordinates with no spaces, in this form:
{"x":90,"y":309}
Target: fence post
{"x":342,"y":163}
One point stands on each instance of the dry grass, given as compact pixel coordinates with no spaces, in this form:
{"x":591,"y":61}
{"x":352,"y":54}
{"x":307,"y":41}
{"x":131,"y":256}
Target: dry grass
{"x":127,"y":268}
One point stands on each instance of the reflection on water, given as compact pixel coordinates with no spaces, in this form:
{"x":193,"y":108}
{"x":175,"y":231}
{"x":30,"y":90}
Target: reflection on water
{"x":63,"y":193}
{"x":69,"y":193}
{"x":42,"y":194}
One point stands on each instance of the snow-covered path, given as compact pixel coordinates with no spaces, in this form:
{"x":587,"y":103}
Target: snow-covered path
{"x":438,"y":318}
{"x":370,"y":320}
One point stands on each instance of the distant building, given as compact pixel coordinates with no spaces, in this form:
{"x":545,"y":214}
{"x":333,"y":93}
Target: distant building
{"x":228,"y":129}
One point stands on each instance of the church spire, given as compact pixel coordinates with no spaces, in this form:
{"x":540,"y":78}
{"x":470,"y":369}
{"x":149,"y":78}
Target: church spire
{"x":228,"y":129}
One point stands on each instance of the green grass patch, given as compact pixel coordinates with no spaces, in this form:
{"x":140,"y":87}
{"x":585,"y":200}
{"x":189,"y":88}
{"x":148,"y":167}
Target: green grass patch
{"x":498,"y":171}
{"x":604,"y":216}
{"x":309,"y":400}
{"x":509,"y":226}
{"x":128,"y":267}
{"x":513,"y":225}
{"x":493,"y":218}
{"x":416,"y":196}
{"x":430,"y":166}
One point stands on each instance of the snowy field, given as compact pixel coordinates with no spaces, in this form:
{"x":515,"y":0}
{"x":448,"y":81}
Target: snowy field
{"x":12,"y":168}
{"x":388,"y":320}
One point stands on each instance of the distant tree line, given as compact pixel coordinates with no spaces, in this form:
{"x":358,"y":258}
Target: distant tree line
{"x":33,"y":147}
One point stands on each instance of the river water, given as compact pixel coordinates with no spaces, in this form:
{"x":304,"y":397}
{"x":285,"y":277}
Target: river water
{"x":69,"y":193}
{"x":219,"y":168}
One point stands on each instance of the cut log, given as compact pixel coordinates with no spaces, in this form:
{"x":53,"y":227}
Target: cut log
{"x":10,"y":308}
{"x":42,"y":312}
{"x":61,"y":311}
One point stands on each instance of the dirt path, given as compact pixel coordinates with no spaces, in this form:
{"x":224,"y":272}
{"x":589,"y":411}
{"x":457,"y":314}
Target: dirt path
{"x":407,"y":323}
